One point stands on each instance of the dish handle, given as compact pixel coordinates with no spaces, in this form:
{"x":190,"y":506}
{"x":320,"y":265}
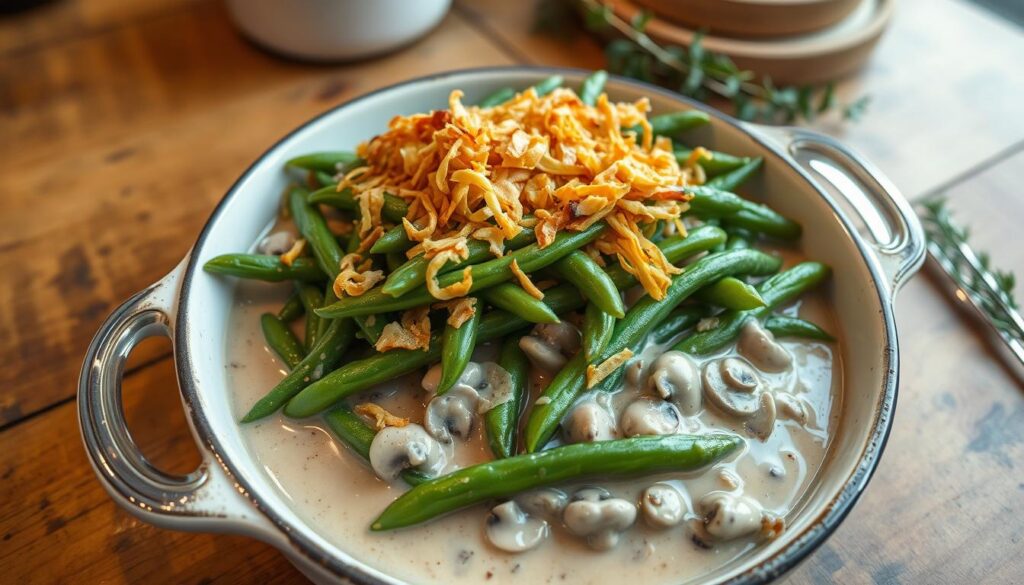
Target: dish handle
{"x":207,"y":498}
{"x":886,"y":217}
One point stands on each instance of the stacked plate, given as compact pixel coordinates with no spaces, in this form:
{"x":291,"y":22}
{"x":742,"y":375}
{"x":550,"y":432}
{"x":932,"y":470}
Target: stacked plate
{"x":792,"y":41}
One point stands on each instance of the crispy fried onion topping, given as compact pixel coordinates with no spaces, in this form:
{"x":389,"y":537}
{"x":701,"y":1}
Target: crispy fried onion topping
{"x":605,"y":368}
{"x":524,"y":281}
{"x":413,"y":332}
{"x":469,"y":172}
{"x":459,"y":310}
{"x":356,"y":276}
{"x":380,"y":417}
{"x":294,"y":252}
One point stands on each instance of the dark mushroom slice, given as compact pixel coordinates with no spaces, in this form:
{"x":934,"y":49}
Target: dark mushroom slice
{"x":662,"y":506}
{"x":395,"y":449}
{"x":511,"y":529}
{"x":598,"y":517}
{"x":758,"y":345}
{"x":674,"y":376}
{"x":587,"y":422}
{"x":645,"y":416}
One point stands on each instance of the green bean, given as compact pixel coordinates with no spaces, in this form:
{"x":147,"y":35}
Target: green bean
{"x":370,"y":326}
{"x":581,"y":270}
{"x":513,"y":298}
{"x":548,"y":85}
{"x":328,"y":162}
{"x":324,"y":179}
{"x":597,"y":330}
{"x":292,"y":309}
{"x":394,"y":208}
{"x":314,"y":229}
{"x":394,"y":240}
{"x":762,"y":219}
{"x":782,"y":326}
{"x":318,"y":360}
{"x":503,"y":478}
{"x":281,"y":339}
{"x":569,"y":383}
{"x":733,"y":179}
{"x":414,"y":272}
{"x":265,"y":267}
{"x":498,"y":97}
{"x":329,"y":297}
{"x":394,"y":260}
{"x":352,"y":430}
{"x":675,"y":249}
{"x":719,"y":162}
{"x":359,"y":375}
{"x":731,"y":293}
{"x":311,"y":301}
{"x":329,"y":195}
{"x":457,"y":344}
{"x":739,"y":238}
{"x":709,"y":202}
{"x":592,"y":87}
{"x":502,"y":421}
{"x":775,"y":291}
{"x":485,"y":275}
{"x":678,"y":321}
{"x":675,"y":122}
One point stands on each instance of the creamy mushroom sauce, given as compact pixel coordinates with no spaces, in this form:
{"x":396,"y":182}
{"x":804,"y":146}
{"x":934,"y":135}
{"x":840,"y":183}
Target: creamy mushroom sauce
{"x":338,"y":494}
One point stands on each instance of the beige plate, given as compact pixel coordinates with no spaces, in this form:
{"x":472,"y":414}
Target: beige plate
{"x":753,"y":18}
{"x":812,"y":58}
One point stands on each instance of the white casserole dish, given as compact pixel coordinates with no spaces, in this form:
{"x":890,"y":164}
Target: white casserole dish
{"x":806,"y":175}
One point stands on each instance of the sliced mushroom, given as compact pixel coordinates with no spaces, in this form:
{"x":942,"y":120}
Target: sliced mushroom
{"x":546,"y":503}
{"x":728,"y":390}
{"x":598,"y":517}
{"x":512,"y":530}
{"x":662,"y":506}
{"x":550,"y":345}
{"x":674,"y":376}
{"x":395,"y":449}
{"x":649,"y":417}
{"x":276,"y":243}
{"x":762,"y":423}
{"x":493,"y":385}
{"x":432,"y":378}
{"x":758,"y":345}
{"x":728,"y":516}
{"x":792,"y":407}
{"x":562,"y":335}
{"x":472,"y":376}
{"x":739,"y":374}
{"x":635,"y":372}
{"x":589,"y":422}
{"x":452,"y":414}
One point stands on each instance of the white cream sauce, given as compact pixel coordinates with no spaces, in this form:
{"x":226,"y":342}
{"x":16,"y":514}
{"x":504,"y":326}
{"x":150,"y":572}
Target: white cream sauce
{"x":338,"y":494}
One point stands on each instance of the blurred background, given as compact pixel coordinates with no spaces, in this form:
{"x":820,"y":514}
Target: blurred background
{"x":122,"y":123}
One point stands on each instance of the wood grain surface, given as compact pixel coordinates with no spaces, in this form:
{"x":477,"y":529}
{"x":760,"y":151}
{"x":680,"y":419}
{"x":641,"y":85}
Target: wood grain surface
{"x":122,"y":124}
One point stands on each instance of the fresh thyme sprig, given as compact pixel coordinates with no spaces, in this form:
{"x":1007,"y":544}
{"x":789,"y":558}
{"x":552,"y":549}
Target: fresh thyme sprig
{"x":990,"y":290}
{"x":693,"y":71}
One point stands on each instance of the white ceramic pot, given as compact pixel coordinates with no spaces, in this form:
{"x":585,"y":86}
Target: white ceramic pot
{"x":335,"y":29}
{"x":806,"y":175}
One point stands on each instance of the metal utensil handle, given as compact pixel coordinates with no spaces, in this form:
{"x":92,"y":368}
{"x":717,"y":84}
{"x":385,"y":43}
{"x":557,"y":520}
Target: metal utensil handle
{"x":201,"y":500}
{"x":895,"y":231}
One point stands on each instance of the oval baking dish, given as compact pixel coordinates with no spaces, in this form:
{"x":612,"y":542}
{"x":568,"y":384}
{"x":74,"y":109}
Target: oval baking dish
{"x":854,"y":220}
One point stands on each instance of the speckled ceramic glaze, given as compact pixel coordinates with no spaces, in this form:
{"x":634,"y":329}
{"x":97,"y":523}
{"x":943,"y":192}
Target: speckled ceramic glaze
{"x":807,"y":176}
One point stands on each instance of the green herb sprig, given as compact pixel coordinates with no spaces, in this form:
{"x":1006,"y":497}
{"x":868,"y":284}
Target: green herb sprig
{"x":990,"y":290}
{"x":692,"y":70}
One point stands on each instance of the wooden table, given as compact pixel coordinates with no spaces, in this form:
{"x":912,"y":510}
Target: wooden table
{"x":121,"y":126}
